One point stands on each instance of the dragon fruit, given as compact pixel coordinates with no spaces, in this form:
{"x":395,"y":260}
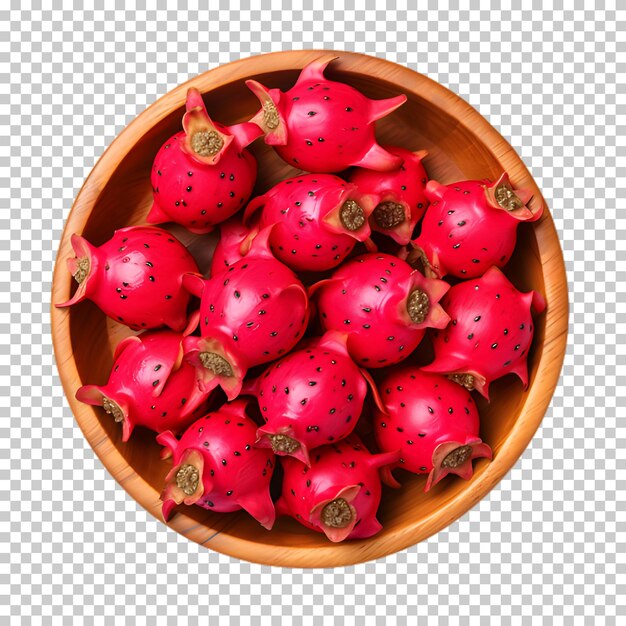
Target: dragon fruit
{"x":398,"y":194}
{"x":234,"y":242}
{"x":318,"y":220}
{"x":216,"y":466}
{"x":339,"y":493}
{"x":490,"y":332}
{"x":202,"y":175}
{"x":149,"y":385}
{"x":321,"y":125}
{"x":383,"y":304}
{"x":471,"y":226}
{"x":309,"y":398}
{"x":251,"y":313}
{"x":432,"y":421}
{"x":135,"y":278}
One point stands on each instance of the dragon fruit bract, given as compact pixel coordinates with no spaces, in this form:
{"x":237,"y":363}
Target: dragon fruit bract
{"x":217,"y":468}
{"x":321,"y":125}
{"x":471,"y":226}
{"x":432,"y":421}
{"x":383,"y":304}
{"x":135,"y":278}
{"x":339,"y":493}
{"x":251,"y":313}
{"x":309,"y":398}
{"x":318,"y":220}
{"x":203,"y":175}
{"x":490,"y":332}
{"x":234,"y":243}
{"x":398,"y":194}
{"x":149,"y":385}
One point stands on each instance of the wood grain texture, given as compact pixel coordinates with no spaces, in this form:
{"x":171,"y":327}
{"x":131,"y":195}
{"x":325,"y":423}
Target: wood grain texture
{"x":461,"y":144}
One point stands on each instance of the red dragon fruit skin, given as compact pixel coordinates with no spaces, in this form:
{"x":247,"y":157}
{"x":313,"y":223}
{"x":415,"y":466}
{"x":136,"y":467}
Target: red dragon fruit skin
{"x":309,"y":398}
{"x":432,"y":421}
{"x":135,"y":278}
{"x":215,"y":466}
{"x":318,"y":220}
{"x":399,"y":195}
{"x":321,"y":125}
{"x":339,"y":493}
{"x":149,"y":385}
{"x":234,"y":243}
{"x":383,"y":304}
{"x":202,"y":175}
{"x":253,"y":312}
{"x":490,"y":332}
{"x":471,"y":225}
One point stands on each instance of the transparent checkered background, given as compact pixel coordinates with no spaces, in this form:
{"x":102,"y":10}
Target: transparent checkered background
{"x":544,"y":545}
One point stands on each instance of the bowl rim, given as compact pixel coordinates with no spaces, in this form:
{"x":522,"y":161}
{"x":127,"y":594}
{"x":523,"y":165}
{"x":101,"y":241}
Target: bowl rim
{"x":531,"y":412}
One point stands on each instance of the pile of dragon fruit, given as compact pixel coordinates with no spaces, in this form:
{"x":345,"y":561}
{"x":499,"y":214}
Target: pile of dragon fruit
{"x":268,"y":362}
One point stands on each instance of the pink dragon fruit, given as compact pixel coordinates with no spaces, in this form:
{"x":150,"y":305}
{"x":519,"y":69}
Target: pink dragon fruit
{"x":490,"y":332}
{"x":339,"y":493}
{"x":383,"y":304}
{"x":398,"y":194}
{"x":309,"y":398}
{"x":203,"y":175}
{"x":471,"y":226}
{"x":135,"y":278}
{"x":318,"y":220}
{"x":149,"y":385}
{"x":217,"y":468}
{"x":251,"y":313}
{"x":432,"y":421}
{"x":234,"y":243}
{"x":321,"y":125}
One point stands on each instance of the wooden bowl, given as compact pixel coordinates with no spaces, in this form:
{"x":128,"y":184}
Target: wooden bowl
{"x":461,"y":145}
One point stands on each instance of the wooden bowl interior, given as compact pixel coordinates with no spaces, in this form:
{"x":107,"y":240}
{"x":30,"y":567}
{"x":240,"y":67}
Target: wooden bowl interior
{"x":455,"y":153}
